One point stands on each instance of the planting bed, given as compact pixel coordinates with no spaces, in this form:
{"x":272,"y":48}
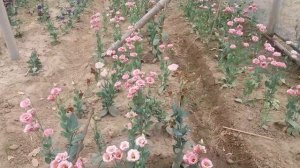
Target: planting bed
{"x":197,"y":84}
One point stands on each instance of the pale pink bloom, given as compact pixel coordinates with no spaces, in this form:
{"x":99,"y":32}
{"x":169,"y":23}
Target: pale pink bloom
{"x":112,"y":20}
{"x":240,"y":20}
{"x":128,"y":126}
{"x":136,"y":72}
{"x":132,"y":90}
{"x":150,"y":80}
{"x":255,"y":38}
{"x":121,"y":18}
{"x":231,"y":31}
{"x":32,"y":127}
{"x":266,"y":45}
{"x":107,"y":157}
{"x":118,"y":154}
{"x":291,"y":92}
{"x":162,"y":46}
{"x":256,"y":61}
{"x":246,"y":45}
{"x":133,"y":54}
{"x":153,"y":74}
{"x":31,"y":111}
{"x":190,"y":158}
{"x":229,"y":9}
{"x":113,"y":71}
{"x":261,"y":27}
{"x":51,"y":97}
{"x":263,"y":64}
{"x":110,"y":52}
{"x":230,"y":23}
{"x":55,"y":91}
{"x":141,"y":141}
{"x":118,"y":13}
{"x":166,"y":58}
{"x":111,"y":149}
{"x":130,"y":115}
{"x":122,"y":49}
{"x":206,"y":163}
{"x":276,"y":54}
{"x":124,"y":145}
{"x":26,"y":118}
{"x":250,"y":68}
{"x":79,"y":163}
{"x":115,"y":57}
{"x":270,"y":59}
{"x":294,"y":52}
{"x":99,"y":65}
{"x":281,"y":65}
{"x":232,"y":46}
{"x":125,"y":76}
{"x":130,"y":27}
{"x":54,"y":164}
{"x":239,"y":33}
{"x":48,"y":132}
{"x":61,"y":157}
{"x":170,"y":45}
{"x":199,"y":149}
{"x":298,"y":87}
{"x":130,"y":46}
{"x":65,"y":164}
{"x":25,"y":103}
{"x":262,"y":58}
{"x":294,"y":56}
{"x":173,"y":67}
{"x":140,"y":83}
{"x":122,"y":58}
{"x":133,"y":155}
{"x":271,"y":49}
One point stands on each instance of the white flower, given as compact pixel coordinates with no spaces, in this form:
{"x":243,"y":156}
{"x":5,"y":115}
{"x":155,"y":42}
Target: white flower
{"x":99,"y":65}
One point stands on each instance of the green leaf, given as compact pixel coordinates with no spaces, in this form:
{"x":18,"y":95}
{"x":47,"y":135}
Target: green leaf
{"x":156,"y":41}
{"x":77,"y":138}
{"x":73,"y":123}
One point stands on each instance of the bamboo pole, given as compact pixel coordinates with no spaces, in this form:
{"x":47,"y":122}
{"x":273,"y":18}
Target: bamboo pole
{"x":248,"y":133}
{"x":158,"y":7}
{"x":274,"y":16}
{"x":7,"y":33}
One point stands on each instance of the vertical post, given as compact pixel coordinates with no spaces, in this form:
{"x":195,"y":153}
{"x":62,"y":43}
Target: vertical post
{"x":7,"y":33}
{"x":274,"y":16}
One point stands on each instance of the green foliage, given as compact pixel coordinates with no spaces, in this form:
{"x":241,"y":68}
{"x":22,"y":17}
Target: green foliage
{"x":70,"y":125}
{"x":292,"y":116}
{"x":155,"y":32}
{"x":47,"y":149}
{"x":78,"y":104}
{"x":252,"y":82}
{"x":180,"y":131}
{"x":100,"y":47}
{"x":34,"y":63}
{"x":12,"y":12}
{"x":107,"y":94}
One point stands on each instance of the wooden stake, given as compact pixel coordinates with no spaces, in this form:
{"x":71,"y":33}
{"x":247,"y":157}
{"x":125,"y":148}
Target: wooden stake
{"x":158,"y":7}
{"x":274,"y":16}
{"x":248,"y":133}
{"x":7,"y":33}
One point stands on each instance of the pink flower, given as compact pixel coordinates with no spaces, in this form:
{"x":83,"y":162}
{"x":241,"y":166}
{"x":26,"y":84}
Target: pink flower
{"x":230,"y":23}
{"x":125,"y":76}
{"x":150,"y":80}
{"x":118,"y":85}
{"x":31,"y":127}
{"x":276,"y":54}
{"x":118,"y":154}
{"x":255,"y":38}
{"x":99,"y":65}
{"x":54,"y":164}
{"x":240,"y":20}
{"x":130,"y":115}
{"x":271,"y":49}
{"x":246,"y":45}
{"x":25,"y":103}
{"x":122,"y":49}
{"x":124,"y":145}
{"x":232,"y":46}
{"x":231,"y":31}
{"x":79,"y":163}
{"x":132,"y":90}
{"x":256,"y":61}
{"x":65,"y":164}
{"x":141,"y":141}
{"x":140,"y":83}
{"x":190,"y":158}
{"x":55,"y":91}
{"x":291,"y":92}
{"x":51,"y":97}
{"x":162,"y":46}
{"x":48,"y":132}
{"x":110,"y":52}
{"x":107,"y":157}
{"x":229,"y":9}
{"x":263,"y":64}
{"x":239,"y":33}
{"x":133,"y":54}
{"x":111,"y":149}
{"x":166,"y":58}
{"x":115,"y":57}
{"x":262,"y":58}
{"x":128,"y":126}
{"x":173,"y":67}
{"x":199,"y":149}
{"x":136,"y":72}
{"x":261,"y":27}
{"x":31,"y":111}
{"x":61,"y":157}
{"x":133,"y":155}
{"x":170,"y":45}
{"x":206,"y":163}
{"x":26,"y":118}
